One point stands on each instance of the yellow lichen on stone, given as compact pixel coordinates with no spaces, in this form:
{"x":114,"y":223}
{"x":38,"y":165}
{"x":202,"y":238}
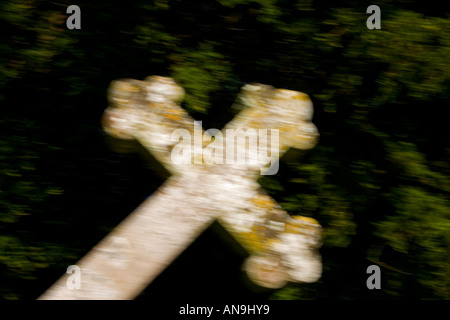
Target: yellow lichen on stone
{"x":303,"y":225}
{"x":253,"y":241}
{"x":273,"y":242}
{"x":175,"y":111}
{"x":263,"y":201}
{"x":130,"y":87}
{"x":285,"y":94}
{"x":303,"y":97}
{"x":172,"y":116}
{"x":287,"y":128}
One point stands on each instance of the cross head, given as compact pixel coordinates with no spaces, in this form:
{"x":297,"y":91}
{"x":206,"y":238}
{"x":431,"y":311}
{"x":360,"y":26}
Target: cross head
{"x":282,"y":247}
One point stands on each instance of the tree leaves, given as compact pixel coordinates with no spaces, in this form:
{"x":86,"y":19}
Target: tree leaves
{"x":378,"y":181}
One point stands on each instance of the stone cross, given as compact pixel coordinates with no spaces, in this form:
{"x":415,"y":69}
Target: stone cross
{"x":282,"y":247}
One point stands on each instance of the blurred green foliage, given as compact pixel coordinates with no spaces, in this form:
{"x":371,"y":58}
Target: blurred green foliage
{"x":378,"y":181}
{"x":200,"y":80}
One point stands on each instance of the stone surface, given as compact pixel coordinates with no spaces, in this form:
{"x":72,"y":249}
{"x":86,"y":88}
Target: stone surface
{"x":283,"y":248}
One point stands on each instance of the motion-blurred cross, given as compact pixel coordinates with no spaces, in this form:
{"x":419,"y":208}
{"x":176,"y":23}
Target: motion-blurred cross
{"x":282,"y":247}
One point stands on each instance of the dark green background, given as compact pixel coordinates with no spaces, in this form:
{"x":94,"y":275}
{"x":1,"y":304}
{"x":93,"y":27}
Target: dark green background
{"x":378,"y":181}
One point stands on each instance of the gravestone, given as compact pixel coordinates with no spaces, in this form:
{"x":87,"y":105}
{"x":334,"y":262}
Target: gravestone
{"x":202,"y":189}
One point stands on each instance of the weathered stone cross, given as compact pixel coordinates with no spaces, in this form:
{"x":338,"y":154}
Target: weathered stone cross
{"x":283,"y":248}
